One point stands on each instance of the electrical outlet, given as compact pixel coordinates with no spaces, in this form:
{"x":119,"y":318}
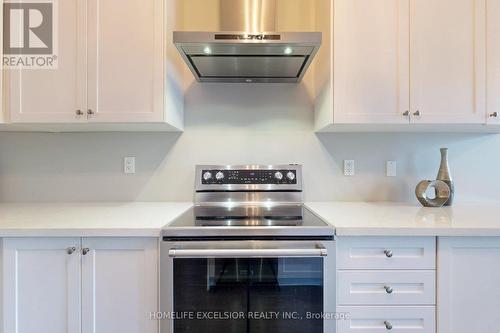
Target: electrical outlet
{"x":349,"y":168}
{"x":129,"y":165}
{"x":391,"y":169}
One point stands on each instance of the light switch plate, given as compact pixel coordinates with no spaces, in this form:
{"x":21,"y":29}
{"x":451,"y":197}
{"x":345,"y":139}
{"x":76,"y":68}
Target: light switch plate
{"x":349,"y":168}
{"x":391,"y":169}
{"x":129,"y":165}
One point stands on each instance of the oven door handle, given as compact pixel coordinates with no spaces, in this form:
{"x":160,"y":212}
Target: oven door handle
{"x":247,"y":253}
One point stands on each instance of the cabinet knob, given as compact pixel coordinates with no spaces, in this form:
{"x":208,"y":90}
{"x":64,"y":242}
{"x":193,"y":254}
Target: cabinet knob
{"x":71,"y":250}
{"x":79,"y":113}
{"x":388,"y":289}
{"x":388,"y":325}
{"x":406,"y":113}
{"x":85,"y":251}
{"x":416,"y":113}
{"x":494,"y":115}
{"x":388,"y":253}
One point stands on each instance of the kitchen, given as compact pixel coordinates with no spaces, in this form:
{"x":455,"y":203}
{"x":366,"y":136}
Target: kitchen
{"x":62,"y":180}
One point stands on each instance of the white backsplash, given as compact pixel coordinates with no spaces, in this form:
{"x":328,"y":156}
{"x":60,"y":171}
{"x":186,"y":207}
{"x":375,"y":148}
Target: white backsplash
{"x":241,"y":124}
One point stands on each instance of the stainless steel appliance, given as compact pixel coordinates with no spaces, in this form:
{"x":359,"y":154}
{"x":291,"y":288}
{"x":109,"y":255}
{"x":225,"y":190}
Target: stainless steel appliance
{"x":247,"y":49}
{"x":248,"y":257}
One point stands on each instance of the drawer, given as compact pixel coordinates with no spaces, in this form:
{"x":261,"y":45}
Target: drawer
{"x":387,"y":319}
{"x":386,"y":253}
{"x":386,"y":287}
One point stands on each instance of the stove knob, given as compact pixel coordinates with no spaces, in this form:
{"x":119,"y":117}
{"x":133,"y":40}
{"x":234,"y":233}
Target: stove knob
{"x":290,"y":175}
{"x":207,"y":175}
{"x":278,"y":175}
{"x":219,"y":175}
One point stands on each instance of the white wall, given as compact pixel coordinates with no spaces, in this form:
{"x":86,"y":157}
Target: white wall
{"x":240,"y":124}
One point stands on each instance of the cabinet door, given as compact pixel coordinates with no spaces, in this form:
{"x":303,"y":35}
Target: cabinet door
{"x":468,"y":279}
{"x":41,"y":285}
{"x":120,"y":285}
{"x":448,"y":61}
{"x":54,"y":95}
{"x":125,"y":60}
{"x":371,"y":66}
{"x":2,"y":102}
{"x":493,"y":33}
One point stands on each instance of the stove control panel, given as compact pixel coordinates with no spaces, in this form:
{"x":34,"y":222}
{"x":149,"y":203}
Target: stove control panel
{"x":258,"y":177}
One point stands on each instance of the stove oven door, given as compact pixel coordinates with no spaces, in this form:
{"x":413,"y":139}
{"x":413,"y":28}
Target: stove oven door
{"x":247,"y":287}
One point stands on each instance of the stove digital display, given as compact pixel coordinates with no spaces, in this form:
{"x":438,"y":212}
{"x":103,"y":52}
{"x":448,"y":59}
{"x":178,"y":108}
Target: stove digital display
{"x":235,"y":177}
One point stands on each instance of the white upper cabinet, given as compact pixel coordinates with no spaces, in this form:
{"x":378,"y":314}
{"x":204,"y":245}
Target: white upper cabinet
{"x":53,"y":95}
{"x":448,"y":61}
{"x":120,"y":285}
{"x":41,"y":285}
{"x":125,"y":53}
{"x":387,"y":57}
{"x":493,"y":56}
{"x":112,"y":70}
{"x":371,"y":64}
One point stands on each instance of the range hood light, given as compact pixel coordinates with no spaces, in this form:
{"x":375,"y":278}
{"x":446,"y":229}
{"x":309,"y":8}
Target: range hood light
{"x":288,"y":51}
{"x":207,"y":50}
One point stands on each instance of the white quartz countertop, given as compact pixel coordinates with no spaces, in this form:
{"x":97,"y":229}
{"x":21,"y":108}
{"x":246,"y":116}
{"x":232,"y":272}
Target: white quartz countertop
{"x":394,"y":219}
{"x":146,"y":219}
{"x":139,"y":219}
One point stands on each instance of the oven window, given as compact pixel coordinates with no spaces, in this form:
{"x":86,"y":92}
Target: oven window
{"x":248,"y":295}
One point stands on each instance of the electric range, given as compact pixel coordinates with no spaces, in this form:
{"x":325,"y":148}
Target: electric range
{"x":247,"y":247}
{"x":248,"y":202}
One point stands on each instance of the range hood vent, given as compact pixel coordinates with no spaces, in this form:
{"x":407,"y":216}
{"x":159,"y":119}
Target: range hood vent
{"x":245,"y":50}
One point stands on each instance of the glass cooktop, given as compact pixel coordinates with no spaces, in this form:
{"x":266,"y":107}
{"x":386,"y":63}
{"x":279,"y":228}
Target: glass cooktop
{"x":302,"y":223}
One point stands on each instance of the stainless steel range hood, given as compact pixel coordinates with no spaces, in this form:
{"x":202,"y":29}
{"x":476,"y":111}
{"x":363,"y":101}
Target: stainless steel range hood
{"x":245,"y":50}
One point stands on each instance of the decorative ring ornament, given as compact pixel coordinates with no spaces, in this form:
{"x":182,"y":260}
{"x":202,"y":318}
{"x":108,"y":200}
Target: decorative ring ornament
{"x":442,"y":191}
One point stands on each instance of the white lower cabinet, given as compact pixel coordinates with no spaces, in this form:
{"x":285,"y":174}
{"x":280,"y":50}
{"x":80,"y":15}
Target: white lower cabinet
{"x":362,"y":319}
{"x":468,"y":284}
{"x":73,"y":285}
{"x":41,"y":285}
{"x":119,"y":285}
{"x":386,"y":284}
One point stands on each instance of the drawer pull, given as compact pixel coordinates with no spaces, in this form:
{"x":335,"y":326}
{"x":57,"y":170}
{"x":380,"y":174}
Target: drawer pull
{"x":388,"y":289}
{"x":388,"y":253}
{"x":388,"y":325}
